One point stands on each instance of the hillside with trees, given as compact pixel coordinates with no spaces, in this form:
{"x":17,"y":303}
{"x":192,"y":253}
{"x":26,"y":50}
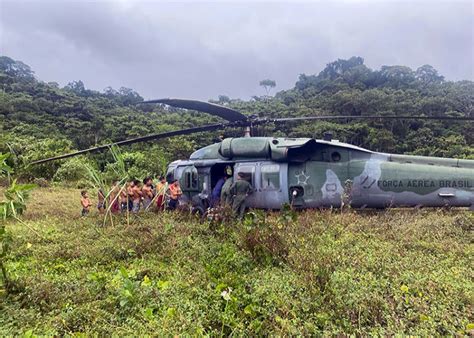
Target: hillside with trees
{"x":39,"y":119}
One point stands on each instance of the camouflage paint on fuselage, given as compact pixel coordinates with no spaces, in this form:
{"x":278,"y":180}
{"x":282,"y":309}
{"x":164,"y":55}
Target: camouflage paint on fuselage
{"x":384,"y":182}
{"x":322,"y":183}
{"x":319,"y":173}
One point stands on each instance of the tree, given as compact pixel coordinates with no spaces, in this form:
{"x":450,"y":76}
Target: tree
{"x":428,"y":75}
{"x":223,"y":99}
{"x":129,"y":96}
{"x":337,"y":68}
{"x":397,"y":76}
{"x":16,"y":69}
{"x":268,"y":85}
{"x":76,"y":87}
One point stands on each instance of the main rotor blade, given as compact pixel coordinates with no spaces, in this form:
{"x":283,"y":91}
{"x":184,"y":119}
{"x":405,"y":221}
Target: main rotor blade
{"x":365,"y":117}
{"x":138,"y":139}
{"x":205,"y":107}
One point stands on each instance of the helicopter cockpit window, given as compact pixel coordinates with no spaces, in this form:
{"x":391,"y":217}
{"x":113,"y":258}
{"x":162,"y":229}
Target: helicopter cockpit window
{"x":170,"y":175}
{"x":270,"y":175}
{"x":178,"y":173}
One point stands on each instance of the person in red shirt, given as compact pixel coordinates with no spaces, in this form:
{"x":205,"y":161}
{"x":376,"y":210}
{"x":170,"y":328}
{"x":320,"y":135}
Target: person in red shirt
{"x":161,"y":188}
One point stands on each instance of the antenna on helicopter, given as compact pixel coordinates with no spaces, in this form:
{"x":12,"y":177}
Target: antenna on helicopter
{"x":327,"y":136}
{"x":247,"y":132}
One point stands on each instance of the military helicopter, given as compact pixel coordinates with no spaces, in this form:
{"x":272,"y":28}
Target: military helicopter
{"x":308,"y":172}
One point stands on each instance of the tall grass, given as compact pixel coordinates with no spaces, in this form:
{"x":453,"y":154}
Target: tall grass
{"x":99,"y":182}
{"x":310,"y":273}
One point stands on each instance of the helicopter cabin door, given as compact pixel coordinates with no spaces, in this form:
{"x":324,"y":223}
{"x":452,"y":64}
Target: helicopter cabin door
{"x":269,"y":180}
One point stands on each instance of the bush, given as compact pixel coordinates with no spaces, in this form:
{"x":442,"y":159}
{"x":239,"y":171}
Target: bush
{"x":84,"y":184}
{"x":41,"y":182}
{"x":139,"y":164}
{"x":73,"y":169}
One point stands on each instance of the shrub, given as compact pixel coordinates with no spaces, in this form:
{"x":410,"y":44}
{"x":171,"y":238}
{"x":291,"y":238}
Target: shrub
{"x":73,"y":169}
{"x":41,"y":182}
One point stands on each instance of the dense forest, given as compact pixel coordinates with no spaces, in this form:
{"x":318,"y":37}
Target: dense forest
{"x":39,"y":119}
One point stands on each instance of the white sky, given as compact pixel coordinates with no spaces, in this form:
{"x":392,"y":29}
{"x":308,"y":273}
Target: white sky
{"x":204,"y":49}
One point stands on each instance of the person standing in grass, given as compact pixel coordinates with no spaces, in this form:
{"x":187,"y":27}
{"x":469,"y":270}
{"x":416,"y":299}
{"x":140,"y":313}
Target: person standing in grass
{"x":136,"y":196}
{"x":86,"y":203}
{"x":114,"y":198}
{"x":101,"y":201}
{"x":175,"y":194}
{"x":240,"y":190}
{"x":147,"y":192}
{"x":160,"y":192}
{"x":217,"y":192}
{"x":124,"y":198}
{"x":130,"y":194}
{"x":226,"y":197}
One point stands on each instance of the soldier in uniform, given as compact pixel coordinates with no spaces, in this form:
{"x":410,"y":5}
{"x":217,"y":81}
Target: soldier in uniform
{"x":239,"y":191}
{"x":226,"y":196}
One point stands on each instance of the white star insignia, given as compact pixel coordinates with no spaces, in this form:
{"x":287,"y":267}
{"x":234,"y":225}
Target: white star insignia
{"x":302,"y":177}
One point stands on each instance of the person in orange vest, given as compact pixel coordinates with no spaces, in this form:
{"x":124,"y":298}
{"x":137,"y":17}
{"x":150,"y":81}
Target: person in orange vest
{"x":175,"y":194}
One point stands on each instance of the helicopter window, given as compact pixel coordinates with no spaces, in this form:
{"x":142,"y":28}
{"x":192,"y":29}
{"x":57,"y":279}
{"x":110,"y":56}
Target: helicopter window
{"x":170,"y":175}
{"x":178,"y":173}
{"x":188,"y":180}
{"x":249,"y":170}
{"x":335,"y":156}
{"x":270,"y":177}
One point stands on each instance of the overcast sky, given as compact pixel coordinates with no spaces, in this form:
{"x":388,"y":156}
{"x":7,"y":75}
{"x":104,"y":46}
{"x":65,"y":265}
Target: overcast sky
{"x":201,"y":50}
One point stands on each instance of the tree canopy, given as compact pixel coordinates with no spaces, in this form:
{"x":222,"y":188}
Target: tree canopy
{"x":39,"y":119}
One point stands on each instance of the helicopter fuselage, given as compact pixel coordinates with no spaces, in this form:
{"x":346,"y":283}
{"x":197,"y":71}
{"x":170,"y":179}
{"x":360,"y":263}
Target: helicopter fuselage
{"x":309,"y":173}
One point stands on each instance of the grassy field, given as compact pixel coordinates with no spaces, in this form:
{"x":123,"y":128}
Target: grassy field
{"x":398,"y":271}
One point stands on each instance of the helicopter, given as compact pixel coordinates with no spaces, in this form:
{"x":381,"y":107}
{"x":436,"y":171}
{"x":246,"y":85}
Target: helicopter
{"x":308,"y":172}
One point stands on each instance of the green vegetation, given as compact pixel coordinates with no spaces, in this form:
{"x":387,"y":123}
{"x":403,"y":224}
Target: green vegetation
{"x":331,"y":272}
{"x":39,"y":119}
{"x":12,"y":206}
{"x":308,"y":273}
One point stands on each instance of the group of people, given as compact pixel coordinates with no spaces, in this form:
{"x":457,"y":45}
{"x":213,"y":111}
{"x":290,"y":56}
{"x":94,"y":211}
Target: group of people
{"x":135,"y":195}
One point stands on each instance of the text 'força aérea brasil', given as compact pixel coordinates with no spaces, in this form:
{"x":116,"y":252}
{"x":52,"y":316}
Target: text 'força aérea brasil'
{"x":425,"y":183}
